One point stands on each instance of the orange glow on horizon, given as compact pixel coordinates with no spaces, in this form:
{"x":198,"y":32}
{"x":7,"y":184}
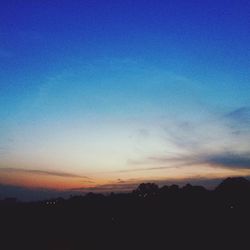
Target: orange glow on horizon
{"x":47,"y":181}
{"x":32,"y":180}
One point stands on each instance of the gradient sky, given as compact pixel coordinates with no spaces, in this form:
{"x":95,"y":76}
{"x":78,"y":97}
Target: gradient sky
{"x":105,"y":94}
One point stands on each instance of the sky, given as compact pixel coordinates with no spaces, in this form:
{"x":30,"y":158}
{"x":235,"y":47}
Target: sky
{"x":103,"y":95}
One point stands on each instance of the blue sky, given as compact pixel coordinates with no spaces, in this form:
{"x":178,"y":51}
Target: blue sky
{"x":110,"y":89}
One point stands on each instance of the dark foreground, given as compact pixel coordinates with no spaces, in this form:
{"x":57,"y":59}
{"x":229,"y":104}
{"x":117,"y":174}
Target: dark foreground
{"x":148,"y":218}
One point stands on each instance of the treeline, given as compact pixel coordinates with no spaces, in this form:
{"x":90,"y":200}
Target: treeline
{"x":232,"y":191}
{"x":150,"y":217}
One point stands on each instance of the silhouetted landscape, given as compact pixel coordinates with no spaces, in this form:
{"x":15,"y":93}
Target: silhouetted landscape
{"x":169,"y":217}
{"x":124,"y":124}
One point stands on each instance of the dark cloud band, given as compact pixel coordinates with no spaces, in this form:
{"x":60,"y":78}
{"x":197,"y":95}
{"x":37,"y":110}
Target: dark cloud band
{"x":42,"y":172}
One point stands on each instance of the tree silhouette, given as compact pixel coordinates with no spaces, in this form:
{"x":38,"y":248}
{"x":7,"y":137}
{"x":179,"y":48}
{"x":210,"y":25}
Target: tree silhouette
{"x":147,"y":189}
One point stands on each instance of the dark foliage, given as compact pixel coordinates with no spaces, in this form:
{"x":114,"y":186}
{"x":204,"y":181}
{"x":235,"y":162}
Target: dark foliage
{"x":150,"y":217}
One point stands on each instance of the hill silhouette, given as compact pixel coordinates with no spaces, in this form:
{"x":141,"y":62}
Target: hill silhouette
{"x":235,"y":184}
{"x":150,"y":217}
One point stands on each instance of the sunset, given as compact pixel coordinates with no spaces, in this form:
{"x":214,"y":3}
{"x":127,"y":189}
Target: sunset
{"x":101,"y":96}
{"x":93,"y":93}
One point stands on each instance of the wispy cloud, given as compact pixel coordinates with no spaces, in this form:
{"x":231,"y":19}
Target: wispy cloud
{"x":179,"y":165}
{"x":239,"y":121}
{"x":112,"y":186}
{"x":118,"y":187}
{"x":228,"y":160}
{"x":240,"y":115}
{"x":42,"y":172}
{"x":220,"y":142}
